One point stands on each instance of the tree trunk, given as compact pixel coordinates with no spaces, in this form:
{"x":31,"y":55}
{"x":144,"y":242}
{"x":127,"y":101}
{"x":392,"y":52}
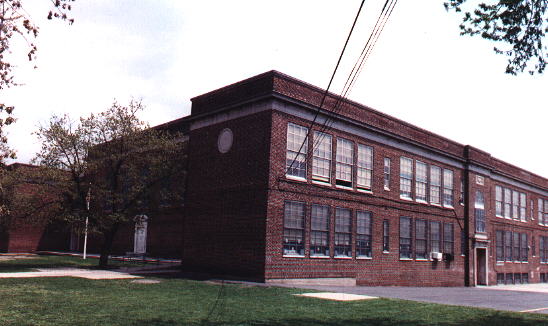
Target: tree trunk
{"x":107,"y":245}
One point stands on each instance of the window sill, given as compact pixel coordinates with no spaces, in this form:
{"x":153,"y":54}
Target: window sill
{"x":386,"y":188}
{"x":448,"y":206}
{"x":364,"y":258}
{"x":499,"y":216}
{"x":344,"y":187}
{"x":320,"y":257}
{"x":406,"y":198}
{"x":322,"y":183}
{"x":293,"y":256}
{"x":342,"y":257}
{"x":385,"y":252}
{"x":436,"y":205}
{"x":294,"y":178}
{"x":420,"y":201}
{"x":365,"y":191}
{"x":421,"y":259}
{"x":406,"y":259}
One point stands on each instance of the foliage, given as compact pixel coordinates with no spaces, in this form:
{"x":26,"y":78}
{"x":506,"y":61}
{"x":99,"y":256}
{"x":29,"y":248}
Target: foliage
{"x":520,"y":24}
{"x":114,"y":158}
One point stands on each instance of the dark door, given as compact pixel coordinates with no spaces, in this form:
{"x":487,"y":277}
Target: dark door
{"x":481,"y":263}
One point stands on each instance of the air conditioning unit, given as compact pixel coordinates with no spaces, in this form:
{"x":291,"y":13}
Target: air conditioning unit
{"x":436,"y":255}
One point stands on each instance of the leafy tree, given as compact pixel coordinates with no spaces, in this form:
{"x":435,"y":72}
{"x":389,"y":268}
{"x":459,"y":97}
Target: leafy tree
{"x":15,"y":22}
{"x":114,"y":158}
{"x":520,"y":25}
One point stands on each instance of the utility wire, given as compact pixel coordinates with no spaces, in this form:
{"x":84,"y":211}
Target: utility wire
{"x":326,"y":90}
{"x":385,"y":14}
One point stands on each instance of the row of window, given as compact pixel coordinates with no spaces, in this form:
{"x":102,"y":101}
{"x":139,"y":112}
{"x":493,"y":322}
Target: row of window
{"x":512,"y":246}
{"x":513,"y":278}
{"x":432,"y":183}
{"x":430,"y":186}
{"x":320,"y":231}
{"x":543,"y":251}
{"x":510,"y":203}
{"x":544,"y":277}
{"x":429,"y":237}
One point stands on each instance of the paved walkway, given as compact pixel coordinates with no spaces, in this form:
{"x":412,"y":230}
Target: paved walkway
{"x":72,"y":272}
{"x":521,"y":298}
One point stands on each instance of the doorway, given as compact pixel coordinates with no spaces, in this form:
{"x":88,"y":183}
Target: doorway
{"x":481,"y":266}
{"x":140,"y":238}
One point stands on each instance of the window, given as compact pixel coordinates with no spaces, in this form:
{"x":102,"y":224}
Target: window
{"x":533,"y":247}
{"x":498,"y":201}
{"x":363,"y":234}
{"x":447,"y":188}
{"x":500,"y":246}
{"x":321,"y":161}
{"x":405,"y":237}
{"x":515,"y":241}
{"x":500,"y":278}
{"x":345,"y":159}
{"x":462,"y":242}
{"x":508,"y":245}
{"x":515,"y":204}
{"x":479,"y":211}
{"x":365,"y":166}
{"x":448,"y":238}
{"x":524,"y":248}
{"x":421,"y":239}
{"x":522,"y":206}
{"x":540,"y":211}
{"x":461,"y":195}
{"x":319,"y":231}
{"x":387,"y":173}
{"x":525,"y":278}
{"x":517,"y":278}
{"x":343,"y":233}
{"x":507,"y":203}
{"x":435,"y":185}
{"x":293,"y":240}
{"x":385,"y":236}
{"x":420,"y":181}
{"x":531,"y":209}
{"x":435,"y":237}
{"x":543,"y":249}
{"x":509,"y":278}
{"x":296,"y":156}
{"x":406,"y":177}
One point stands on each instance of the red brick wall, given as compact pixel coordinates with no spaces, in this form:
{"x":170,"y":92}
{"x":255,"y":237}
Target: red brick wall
{"x":226,"y":198}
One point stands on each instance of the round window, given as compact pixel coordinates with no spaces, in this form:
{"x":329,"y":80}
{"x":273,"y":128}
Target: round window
{"x":224,"y":142}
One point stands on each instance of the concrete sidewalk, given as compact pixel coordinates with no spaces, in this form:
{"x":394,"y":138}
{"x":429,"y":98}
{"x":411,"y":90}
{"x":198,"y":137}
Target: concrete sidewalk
{"x":520,"y":298}
{"x":72,"y":272}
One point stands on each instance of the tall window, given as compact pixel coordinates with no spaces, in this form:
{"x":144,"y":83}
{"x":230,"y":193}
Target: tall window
{"x":507,"y":203}
{"x":532,"y":209}
{"x":448,"y":238}
{"x":345,"y":159}
{"x":319,"y":231}
{"x":515,"y":241}
{"x":295,"y":160}
{"x":461,"y":193}
{"x":540,"y":208}
{"x":435,"y":185}
{"x":522,"y":206}
{"x":293,"y":240}
{"x":524,"y":248}
{"x":435,"y":236}
{"x":321,"y":161}
{"x":365,"y":166}
{"x":479,"y":211}
{"x":421,"y":245}
{"x":406,"y":177}
{"x":543,"y":249}
{"x":343,"y":233}
{"x":508,"y":245}
{"x":515,"y":204}
{"x":387,"y":173}
{"x":386,"y":236}
{"x":421,"y":181}
{"x":498,"y":201}
{"x":447,"y":188}
{"x":500,"y":246}
{"x":363,"y":234}
{"x":405,"y":237}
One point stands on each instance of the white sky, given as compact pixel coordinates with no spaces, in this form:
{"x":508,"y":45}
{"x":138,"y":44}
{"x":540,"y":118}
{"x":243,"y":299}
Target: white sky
{"x":166,"y":52}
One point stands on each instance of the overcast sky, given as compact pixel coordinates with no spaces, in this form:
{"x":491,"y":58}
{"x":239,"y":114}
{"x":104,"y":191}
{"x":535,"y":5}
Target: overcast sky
{"x":167,"y":52}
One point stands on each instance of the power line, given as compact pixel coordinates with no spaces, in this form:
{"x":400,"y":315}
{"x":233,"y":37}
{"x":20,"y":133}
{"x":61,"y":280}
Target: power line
{"x":326,"y":90}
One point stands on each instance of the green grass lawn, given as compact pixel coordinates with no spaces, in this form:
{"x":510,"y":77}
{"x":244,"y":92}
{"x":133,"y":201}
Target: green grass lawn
{"x":45,"y":261}
{"x":73,"y":301}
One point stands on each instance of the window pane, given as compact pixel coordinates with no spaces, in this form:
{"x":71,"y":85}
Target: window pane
{"x":343,"y":235}
{"x":365,"y":166}
{"x":295,"y":159}
{"x":363,"y":240}
{"x":406,"y":177}
{"x":387,"y":173}
{"x":405,"y":237}
{"x":447,"y":187}
{"x":293,"y":239}
{"x":345,"y":159}
{"x":321,"y":163}
{"x":421,"y":247}
{"x":421,"y":181}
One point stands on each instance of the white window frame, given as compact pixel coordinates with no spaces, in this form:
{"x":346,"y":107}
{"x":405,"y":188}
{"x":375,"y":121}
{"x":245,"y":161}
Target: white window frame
{"x":295,"y":139}
{"x":365,"y":167}
{"x":345,"y":163}
{"x":448,"y":186}
{"x":406,"y":178}
{"x":421,"y":182}
{"x":522,"y":206}
{"x":499,"y":202}
{"x":386,"y":174}
{"x":435,"y":185}
{"x":321,"y":158}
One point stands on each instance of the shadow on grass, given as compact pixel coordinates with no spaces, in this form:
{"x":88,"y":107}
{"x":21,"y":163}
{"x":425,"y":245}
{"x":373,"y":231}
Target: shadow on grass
{"x":491,"y":320}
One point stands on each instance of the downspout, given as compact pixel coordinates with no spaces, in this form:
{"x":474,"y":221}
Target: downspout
{"x":466,"y":200}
